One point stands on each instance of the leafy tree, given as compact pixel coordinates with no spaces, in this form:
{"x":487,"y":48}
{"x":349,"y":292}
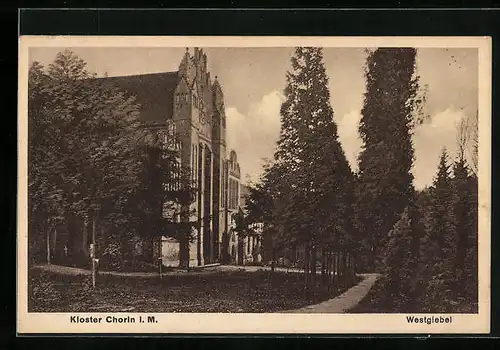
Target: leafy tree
{"x":384,"y":181}
{"x":166,"y":193}
{"x":93,"y":161}
{"x":86,"y":130}
{"x":260,"y":207}
{"x":44,"y":204}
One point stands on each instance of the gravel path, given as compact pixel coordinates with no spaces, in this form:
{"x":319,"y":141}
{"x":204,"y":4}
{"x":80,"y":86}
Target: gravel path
{"x":343,"y":302}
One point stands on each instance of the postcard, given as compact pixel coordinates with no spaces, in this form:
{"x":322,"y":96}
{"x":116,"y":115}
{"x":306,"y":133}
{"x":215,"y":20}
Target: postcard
{"x":280,"y":185}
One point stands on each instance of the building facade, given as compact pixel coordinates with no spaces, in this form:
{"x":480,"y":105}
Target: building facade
{"x":191,"y":102}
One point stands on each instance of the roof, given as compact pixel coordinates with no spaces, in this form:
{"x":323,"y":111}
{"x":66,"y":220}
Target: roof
{"x":154,"y":93}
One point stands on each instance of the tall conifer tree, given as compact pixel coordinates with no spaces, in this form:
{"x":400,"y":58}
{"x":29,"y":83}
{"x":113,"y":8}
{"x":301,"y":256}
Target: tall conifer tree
{"x":464,"y":221}
{"x":471,"y":257}
{"x":316,"y":175}
{"x":398,"y":261}
{"x":385,"y":181}
{"x":439,"y":249}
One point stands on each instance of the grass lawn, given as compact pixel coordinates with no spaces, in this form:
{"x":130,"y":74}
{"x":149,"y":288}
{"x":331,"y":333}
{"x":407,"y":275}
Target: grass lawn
{"x":221,"y":291}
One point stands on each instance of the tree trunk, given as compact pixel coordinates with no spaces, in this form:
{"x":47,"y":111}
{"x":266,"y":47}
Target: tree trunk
{"x":225,"y":248}
{"x":354,"y":263}
{"x":328,"y":269}
{"x":85,"y":235}
{"x":94,"y":242}
{"x":307,"y":257}
{"x":346,"y":271}
{"x":314,"y":255}
{"x":349,"y":268}
{"x":323,"y":266}
{"x":373,"y":262}
{"x":334,"y":269}
{"x":94,"y":234}
{"x":198,"y":243}
{"x":147,"y":253}
{"x":341,"y":267}
{"x":54,"y":245}
{"x":240,"y":250}
{"x":48,"y":247}
{"x":184,"y":252}
{"x":273,"y":258}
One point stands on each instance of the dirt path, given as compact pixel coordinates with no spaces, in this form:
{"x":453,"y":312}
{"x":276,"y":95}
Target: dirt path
{"x":343,"y":302}
{"x":73,"y":271}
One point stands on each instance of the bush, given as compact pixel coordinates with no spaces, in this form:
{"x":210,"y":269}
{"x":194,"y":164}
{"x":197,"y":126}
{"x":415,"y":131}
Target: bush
{"x":111,"y":258}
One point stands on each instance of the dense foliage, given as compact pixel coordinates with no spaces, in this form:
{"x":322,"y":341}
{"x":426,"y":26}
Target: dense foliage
{"x":384,"y":180}
{"x":98,"y":174}
{"x":307,"y":191}
{"x":93,"y":176}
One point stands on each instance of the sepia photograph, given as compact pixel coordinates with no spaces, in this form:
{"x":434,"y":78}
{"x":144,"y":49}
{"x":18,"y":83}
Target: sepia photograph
{"x":241,"y":178}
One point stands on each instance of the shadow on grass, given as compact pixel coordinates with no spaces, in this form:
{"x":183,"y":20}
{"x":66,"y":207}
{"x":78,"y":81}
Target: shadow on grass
{"x":221,"y":291}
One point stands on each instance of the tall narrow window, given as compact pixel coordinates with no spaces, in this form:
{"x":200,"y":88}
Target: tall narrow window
{"x":195,"y":160}
{"x":231,"y":194}
{"x":230,"y":190}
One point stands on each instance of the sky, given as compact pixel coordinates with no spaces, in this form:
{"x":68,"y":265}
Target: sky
{"x":253,"y":80}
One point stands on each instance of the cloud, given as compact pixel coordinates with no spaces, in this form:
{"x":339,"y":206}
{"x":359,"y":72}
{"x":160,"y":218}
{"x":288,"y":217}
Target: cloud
{"x":429,"y":140}
{"x":349,"y":136}
{"x":254,"y":135}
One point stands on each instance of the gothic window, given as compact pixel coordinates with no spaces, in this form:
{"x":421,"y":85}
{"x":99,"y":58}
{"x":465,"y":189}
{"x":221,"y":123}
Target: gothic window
{"x":222,"y":188}
{"x":177,"y":176}
{"x":171,"y":129}
{"x":195,"y":162}
{"x":236,"y":194}
{"x":231,"y":198}
{"x":229,"y":192}
{"x":233,"y":195}
{"x":226,"y":184}
{"x":192,"y":162}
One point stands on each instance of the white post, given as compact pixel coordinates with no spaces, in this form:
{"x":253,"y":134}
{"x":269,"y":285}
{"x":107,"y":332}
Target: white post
{"x":94,"y":271}
{"x":92,"y":259}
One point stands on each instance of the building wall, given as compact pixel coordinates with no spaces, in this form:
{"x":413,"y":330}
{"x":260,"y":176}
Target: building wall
{"x":200,"y":120}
